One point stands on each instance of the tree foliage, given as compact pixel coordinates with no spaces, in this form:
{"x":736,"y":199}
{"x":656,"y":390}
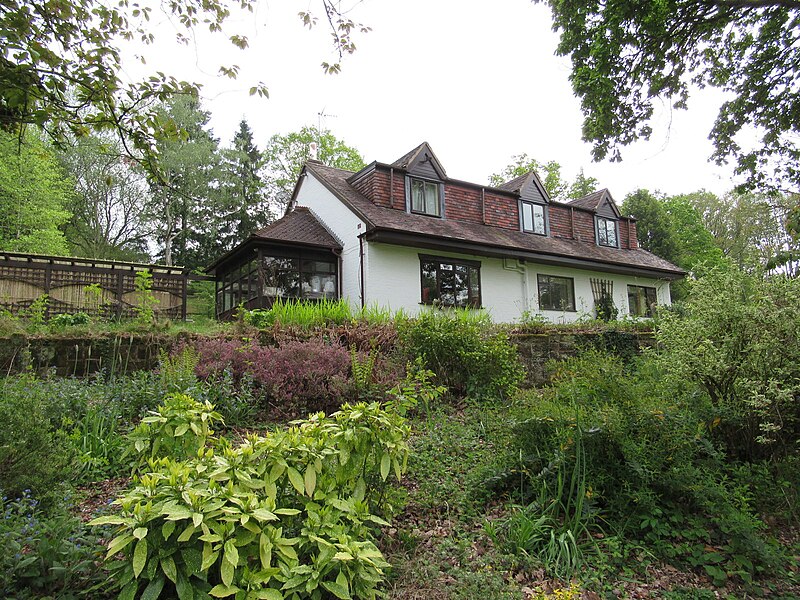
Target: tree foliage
{"x":34,"y":195}
{"x":111,"y":194}
{"x":61,"y":63}
{"x":285,"y":155}
{"x":557,"y":187}
{"x":627,"y":56}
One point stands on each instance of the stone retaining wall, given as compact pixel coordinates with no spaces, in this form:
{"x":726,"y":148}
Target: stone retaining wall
{"x":124,"y":353}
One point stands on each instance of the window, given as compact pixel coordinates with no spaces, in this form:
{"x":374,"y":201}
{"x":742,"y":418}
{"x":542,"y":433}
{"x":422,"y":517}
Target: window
{"x":641,"y":300}
{"x":607,"y":232}
{"x":533,"y":218}
{"x":449,"y":282}
{"x":556,"y":293}
{"x":425,"y":197}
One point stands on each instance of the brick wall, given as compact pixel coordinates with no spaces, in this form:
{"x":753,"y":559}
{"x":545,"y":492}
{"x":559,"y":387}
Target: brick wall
{"x":502,"y":211}
{"x":560,"y":221}
{"x":584,"y":226}
{"x":378,"y":187}
{"x":463,"y":204}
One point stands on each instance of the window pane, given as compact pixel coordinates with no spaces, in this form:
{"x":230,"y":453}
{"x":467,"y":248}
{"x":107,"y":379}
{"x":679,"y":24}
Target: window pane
{"x":527,"y":216}
{"x":641,"y":300}
{"x":450,"y":284}
{"x":430,"y":290}
{"x":432,"y":198}
{"x":538,"y":219}
{"x":606,"y":232}
{"x":556,"y":293}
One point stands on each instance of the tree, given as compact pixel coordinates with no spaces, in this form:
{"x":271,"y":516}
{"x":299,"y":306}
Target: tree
{"x":185,"y":208}
{"x":748,"y":228}
{"x":34,"y":194}
{"x":285,"y":155}
{"x":654,"y":227}
{"x":557,"y":187}
{"x":673,"y":229}
{"x":111,"y":195}
{"x":626,"y":55}
{"x":244,"y":193}
{"x":61,"y":62}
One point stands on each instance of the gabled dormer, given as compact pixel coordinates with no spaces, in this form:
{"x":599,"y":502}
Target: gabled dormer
{"x":533,"y":202}
{"x":424,"y":181}
{"x":607,"y":217}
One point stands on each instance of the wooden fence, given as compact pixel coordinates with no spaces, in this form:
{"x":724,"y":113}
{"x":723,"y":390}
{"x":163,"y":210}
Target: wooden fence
{"x":101,"y":288}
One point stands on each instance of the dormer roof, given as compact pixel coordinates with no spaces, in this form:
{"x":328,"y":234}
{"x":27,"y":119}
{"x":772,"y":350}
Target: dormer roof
{"x":421,"y":161}
{"x":528,"y":186}
{"x":600,"y":202}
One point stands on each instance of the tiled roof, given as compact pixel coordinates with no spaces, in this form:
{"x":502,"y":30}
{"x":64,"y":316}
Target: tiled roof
{"x":514,"y":185}
{"x":590,"y":201}
{"x":388,"y":219}
{"x":299,"y":226}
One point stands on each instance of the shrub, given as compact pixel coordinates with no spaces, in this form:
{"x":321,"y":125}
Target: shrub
{"x":34,"y":455}
{"x":298,"y":375}
{"x":45,"y":555}
{"x":286,"y":515}
{"x":463,"y":350}
{"x":739,"y":342}
{"x":66,"y":320}
{"x":648,"y":465}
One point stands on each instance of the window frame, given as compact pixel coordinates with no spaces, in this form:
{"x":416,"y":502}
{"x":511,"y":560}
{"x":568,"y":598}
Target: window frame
{"x":539,"y":286}
{"x":648,"y":306}
{"x":410,"y":200}
{"x":475,"y":266}
{"x":545,"y":220}
{"x":597,"y":228}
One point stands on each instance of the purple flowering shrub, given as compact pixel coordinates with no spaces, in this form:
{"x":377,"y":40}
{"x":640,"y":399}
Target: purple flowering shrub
{"x":297,"y":376}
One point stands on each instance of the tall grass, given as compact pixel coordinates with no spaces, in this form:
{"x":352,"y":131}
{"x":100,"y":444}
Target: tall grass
{"x":321,"y":313}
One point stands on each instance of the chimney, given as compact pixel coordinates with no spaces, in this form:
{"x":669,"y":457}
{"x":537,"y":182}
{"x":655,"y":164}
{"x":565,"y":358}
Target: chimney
{"x":313,"y":151}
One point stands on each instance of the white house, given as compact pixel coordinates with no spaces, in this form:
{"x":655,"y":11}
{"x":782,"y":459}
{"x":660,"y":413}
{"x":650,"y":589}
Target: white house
{"x":405,"y":236}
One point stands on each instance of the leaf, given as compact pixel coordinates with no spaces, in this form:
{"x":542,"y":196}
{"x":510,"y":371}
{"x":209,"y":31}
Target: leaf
{"x":129,"y":591}
{"x":262,"y":514}
{"x":265,"y":550}
{"x":269,"y":594}
{"x":337,"y":590}
{"x":168,"y":566}
{"x":153,"y":591}
{"x":167,"y":529}
{"x":139,"y":557}
{"x":231,"y":553}
{"x":184,"y":588}
{"x":386,"y":463}
{"x":140,"y":533}
{"x":288,"y":512}
{"x":226,"y":572}
{"x":119,"y":543}
{"x":310,"y":480}
{"x":296,"y":480}
{"x":108,"y":520}
{"x":223,"y":591}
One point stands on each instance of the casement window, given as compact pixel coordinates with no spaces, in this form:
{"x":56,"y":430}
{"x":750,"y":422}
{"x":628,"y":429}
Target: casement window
{"x":556,"y":293}
{"x":450,"y":282}
{"x":607,"y":232}
{"x":425,"y":197}
{"x":641,"y":300}
{"x":532,"y":217}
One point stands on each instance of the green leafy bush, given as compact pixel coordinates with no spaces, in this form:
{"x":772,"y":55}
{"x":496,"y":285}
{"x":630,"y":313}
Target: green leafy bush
{"x":45,"y":555}
{"x":464,"y":351}
{"x":646,"y":463}
{"x":35,"y":455}
{"x":285,"y":515}
{"x":738,"y":340}
{"x":69,"y":320}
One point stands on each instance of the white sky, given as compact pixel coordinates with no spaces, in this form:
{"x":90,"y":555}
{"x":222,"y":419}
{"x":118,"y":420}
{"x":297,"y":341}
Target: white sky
{"x":477,"y":80}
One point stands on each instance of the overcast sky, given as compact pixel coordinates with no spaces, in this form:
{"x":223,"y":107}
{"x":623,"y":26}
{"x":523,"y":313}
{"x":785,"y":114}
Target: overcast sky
{"x":477,"y":80}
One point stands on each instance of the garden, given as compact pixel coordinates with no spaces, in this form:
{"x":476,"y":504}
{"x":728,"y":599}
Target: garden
{"x":315,"y":452}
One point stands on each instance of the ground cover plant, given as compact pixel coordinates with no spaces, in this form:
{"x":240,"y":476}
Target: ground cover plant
{"x":283,"y":515}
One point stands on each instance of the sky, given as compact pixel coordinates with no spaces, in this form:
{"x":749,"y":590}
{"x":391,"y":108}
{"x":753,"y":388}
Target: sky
{"x":479,"y":81}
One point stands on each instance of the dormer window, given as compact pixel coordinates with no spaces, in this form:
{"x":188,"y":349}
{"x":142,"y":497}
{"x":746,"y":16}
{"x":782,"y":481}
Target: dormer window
{"x":607,"y":232}
{"x":425,"y":197}
{"x":532,"y":217}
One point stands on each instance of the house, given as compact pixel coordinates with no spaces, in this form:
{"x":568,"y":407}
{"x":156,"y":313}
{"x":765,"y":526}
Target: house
{"x":404,"y":236}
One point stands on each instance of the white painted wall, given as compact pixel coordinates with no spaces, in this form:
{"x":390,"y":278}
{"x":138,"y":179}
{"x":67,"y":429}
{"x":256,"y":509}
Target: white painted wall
{"x":392,"y":273}
{"x":341,"y":221}
{"x":393,"y":281}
